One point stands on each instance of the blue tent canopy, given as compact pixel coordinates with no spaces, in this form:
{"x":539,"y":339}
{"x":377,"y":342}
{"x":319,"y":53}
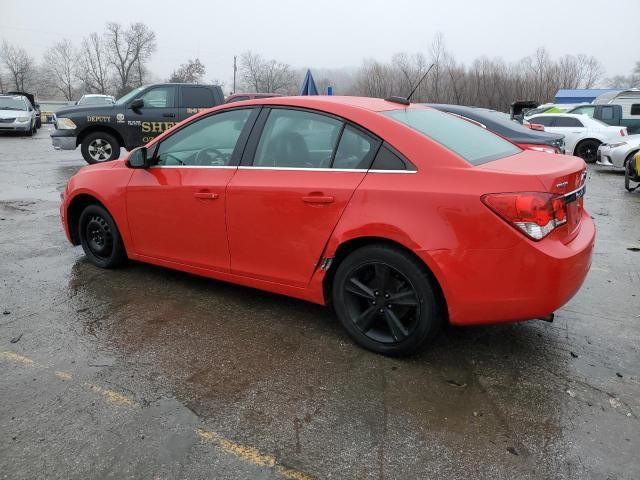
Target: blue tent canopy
{"x":308,"y":85}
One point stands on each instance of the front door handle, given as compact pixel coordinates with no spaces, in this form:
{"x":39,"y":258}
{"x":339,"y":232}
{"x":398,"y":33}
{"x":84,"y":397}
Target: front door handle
{"x":317,"y":199}
{"x":206,"y":195}
{"x":171,"y":115}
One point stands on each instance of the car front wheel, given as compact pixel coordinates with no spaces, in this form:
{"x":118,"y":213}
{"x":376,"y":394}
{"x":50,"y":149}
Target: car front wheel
{"x":100,"y":147}
{"x":384,"y":298}
{"x":100,"y":238}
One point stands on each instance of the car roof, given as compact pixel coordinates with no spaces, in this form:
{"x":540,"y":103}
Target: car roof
{"x":329,"y":101}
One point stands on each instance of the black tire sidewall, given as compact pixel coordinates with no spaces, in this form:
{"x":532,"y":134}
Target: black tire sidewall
{"x":115,"y":146}
{"x":580,"y":145}
{"x":429,"y":321}
{"x":118,"y":254}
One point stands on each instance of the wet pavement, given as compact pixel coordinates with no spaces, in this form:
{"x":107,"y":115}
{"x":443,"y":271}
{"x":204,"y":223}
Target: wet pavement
{"x":147,"y":373}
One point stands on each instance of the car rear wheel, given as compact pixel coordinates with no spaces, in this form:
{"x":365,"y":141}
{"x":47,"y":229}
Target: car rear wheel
{"x":385,"y":300}
{"x":100,"y":238}
{"x":100,"y":147}
{"x":587,"y":150}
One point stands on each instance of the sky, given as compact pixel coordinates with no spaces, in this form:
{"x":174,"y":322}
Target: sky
{"x":338,"y":33}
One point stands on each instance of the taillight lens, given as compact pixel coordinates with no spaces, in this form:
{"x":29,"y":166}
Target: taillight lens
{"x":622,"y":132}
{"x":536,"y":214}
{"x":540,"y":148}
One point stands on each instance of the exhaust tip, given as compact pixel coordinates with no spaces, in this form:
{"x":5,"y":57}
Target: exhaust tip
{"x":548,"y":318}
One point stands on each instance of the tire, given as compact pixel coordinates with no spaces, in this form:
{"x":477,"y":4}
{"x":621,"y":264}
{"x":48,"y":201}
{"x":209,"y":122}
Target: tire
{"x":31,"y":131}
{"x":38,"y":122}
{"x":99,"y":147}
{"x":385,"y":300}
{"x":587,"y":150}
{"x":629,"y":175}
{"x":100,"y":238}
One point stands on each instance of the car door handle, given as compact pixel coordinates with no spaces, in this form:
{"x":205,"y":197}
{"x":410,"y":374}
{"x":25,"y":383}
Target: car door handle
{"x":206,"y":195}
{"x":317,"y":199}
{"x":171,"y":115}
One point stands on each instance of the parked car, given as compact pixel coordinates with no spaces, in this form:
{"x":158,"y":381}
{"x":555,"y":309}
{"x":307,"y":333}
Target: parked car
{"x":96,"y":99}
{"x":501,"y":123}
{"x":17,"y":114}
{"x":32,"y":100}
{"x":582,"y":135}
{"x":617,"y":108}
{"x":618,"y":153}
{"x":135,"y":119}
{"x":399,"y":216}
{"x":240,"y":97}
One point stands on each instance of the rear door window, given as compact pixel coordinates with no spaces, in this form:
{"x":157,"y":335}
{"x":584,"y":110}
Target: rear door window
{"x":197,"y":97}
{"x":473,"y":143}
{"x":546,"y":121}
{"x":568,"y":122}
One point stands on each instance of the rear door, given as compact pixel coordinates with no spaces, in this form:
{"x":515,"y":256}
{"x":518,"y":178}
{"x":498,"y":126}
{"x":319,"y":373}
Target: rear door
{"x":572,"y":129}
{"x":194,"y":98}
{"x":298,"y":174}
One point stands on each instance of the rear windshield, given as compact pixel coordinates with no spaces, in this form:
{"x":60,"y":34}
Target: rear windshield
{"x":473,"y":143}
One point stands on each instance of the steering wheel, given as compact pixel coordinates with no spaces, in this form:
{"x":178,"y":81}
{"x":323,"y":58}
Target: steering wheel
{"x":210,"y":156}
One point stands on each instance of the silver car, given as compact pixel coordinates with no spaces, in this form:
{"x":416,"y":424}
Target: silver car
{"x":616,"y":154}
{"x":17,"y":115}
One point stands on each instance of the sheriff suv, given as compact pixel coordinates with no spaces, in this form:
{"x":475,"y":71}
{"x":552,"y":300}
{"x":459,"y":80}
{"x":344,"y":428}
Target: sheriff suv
{"x":134,"y":119}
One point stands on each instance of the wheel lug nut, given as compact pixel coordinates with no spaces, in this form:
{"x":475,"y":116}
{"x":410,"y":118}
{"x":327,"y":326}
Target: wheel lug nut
{"x":381,"y":310}
{"x":389,"y":306}
{"x":373,"y":302}
{"x":376,"y":293}
{"x":386,"y":295}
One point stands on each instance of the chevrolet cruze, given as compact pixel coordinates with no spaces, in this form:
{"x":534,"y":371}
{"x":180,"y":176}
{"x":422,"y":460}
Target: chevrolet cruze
{"x":398,"y":216}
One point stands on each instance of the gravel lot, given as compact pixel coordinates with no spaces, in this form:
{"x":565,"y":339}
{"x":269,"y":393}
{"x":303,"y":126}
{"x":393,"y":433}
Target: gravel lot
{"x":147,"y":373}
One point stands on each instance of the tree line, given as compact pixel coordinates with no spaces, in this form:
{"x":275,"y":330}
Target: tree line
{"x":117,"y":60}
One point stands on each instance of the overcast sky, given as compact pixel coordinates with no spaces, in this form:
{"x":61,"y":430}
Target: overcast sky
{"x":333,"y":34}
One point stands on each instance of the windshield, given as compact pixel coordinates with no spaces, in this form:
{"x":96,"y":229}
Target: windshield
{"x":12,"y":103}
{"x":473,"y":143}
{"x":95,"y":101}
{"x":123,"y":100}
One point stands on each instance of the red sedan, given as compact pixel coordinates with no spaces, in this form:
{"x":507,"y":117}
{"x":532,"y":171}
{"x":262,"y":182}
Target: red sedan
{"x":399,"y":216}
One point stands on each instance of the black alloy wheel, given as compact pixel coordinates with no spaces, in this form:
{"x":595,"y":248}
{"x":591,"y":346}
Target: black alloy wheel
{"x":384,"y":298}
{"x":588,"y":150}
{"x":100,"y":238}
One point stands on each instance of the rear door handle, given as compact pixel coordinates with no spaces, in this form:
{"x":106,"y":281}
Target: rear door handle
{"x":171,"y":115}
{"x":317,"y":199}
{"x":206,"y":195}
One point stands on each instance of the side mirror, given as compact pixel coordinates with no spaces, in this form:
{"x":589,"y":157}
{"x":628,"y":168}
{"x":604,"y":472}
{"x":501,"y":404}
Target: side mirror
{"x":37,"y":106}
{"x":138,"y":158}
{"x":137,"y":104}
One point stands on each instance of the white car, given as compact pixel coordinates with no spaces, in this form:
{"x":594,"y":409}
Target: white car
{"x":582,"y":135}
{"x":17,"y":115}
{"x":618,"y":152}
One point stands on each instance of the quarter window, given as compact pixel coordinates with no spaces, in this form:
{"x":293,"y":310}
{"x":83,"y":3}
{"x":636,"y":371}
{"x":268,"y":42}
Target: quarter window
{"x":297,"y":139}
{"x":387,"y":160}
{"x":159,"y":97}
{"x":208,"y":142}
{"x":197,"y":97}
{"x":355,"y":150}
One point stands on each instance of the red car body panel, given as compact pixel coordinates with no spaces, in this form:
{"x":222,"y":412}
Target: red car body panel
{"x":273,"y":227}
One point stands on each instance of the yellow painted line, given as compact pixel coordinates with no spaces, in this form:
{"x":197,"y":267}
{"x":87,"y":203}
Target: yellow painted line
{"x":63,"y":375}
{"x":112,"y":396}
{"x":251,"y":455}
{"x":14,"y":357}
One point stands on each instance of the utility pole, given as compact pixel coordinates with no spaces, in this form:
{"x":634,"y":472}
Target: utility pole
{"x":235,"y":68}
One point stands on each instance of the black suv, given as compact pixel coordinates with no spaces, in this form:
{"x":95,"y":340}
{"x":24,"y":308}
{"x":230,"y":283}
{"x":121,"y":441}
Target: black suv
{"x":135,"y":119}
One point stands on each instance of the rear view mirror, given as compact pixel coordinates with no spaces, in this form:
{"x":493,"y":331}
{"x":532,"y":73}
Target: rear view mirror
{"x":137,"y":104}
{"x":138,"y":158}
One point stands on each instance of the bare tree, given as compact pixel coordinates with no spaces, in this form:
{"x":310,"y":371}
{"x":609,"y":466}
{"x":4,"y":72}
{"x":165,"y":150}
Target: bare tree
{"x":190,"y":72}
{"x":60,"y":64}
{"x":128,"y":51}
{"x":20,"y":65}
{"x":94,"y":65}
{"x":260,"y":75}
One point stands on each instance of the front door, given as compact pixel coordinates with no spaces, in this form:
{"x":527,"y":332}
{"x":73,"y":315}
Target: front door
{"x":282,"y":209}
{"x":157,"y":114}
{"x":176,"y":208}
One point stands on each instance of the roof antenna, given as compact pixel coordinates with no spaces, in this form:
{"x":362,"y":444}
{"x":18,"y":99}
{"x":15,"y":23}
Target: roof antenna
{"x":407,"y":100}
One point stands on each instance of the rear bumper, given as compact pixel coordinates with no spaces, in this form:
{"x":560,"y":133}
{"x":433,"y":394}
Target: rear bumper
{"x":64,"y":139}
{"x":527,"y":281}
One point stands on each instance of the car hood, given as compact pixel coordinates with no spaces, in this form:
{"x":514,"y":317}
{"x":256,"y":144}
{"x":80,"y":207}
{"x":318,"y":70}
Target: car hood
{"x":13,"y":113}
{"x":88,"y":110}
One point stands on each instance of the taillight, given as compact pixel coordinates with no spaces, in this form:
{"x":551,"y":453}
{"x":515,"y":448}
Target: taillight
{"x":539,"y":148}
{"x":536,"y":214}
{"x":622,"y":132}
